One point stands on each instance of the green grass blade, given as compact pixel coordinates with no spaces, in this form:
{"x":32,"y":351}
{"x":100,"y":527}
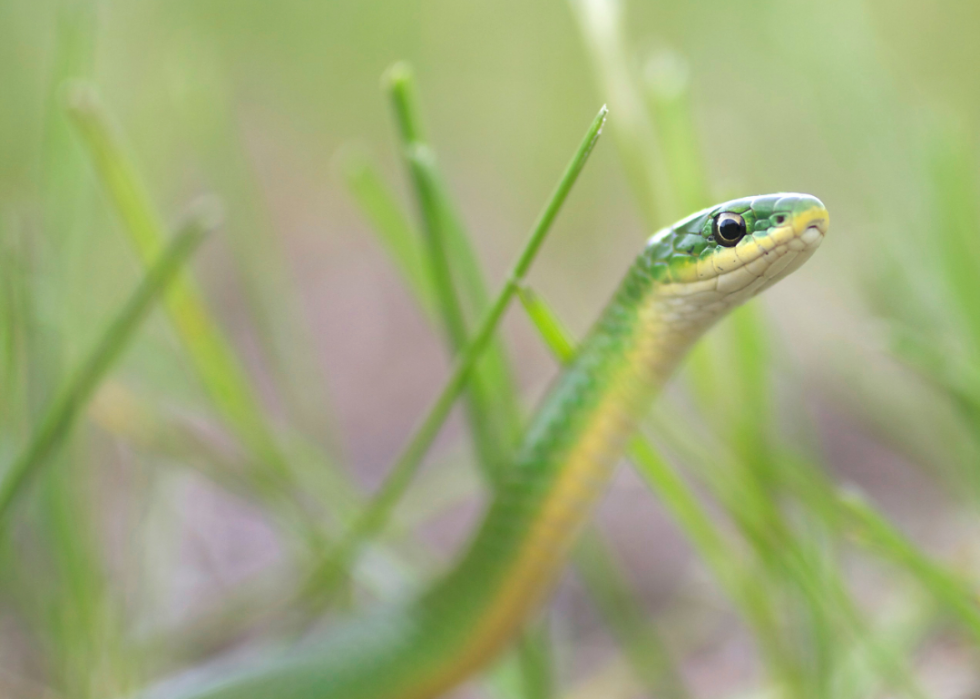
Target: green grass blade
{"x":535,"y":662}
{"x":556,"y":337}
{"x":621,"y":610}
{"x":399,"y":83}
{"x":61,"y":415}
{"x":491,"y":399}
{"x":214,"y":360}
{"x":489,"y":436}
{"x":601,"y":23}
{"x":874,"y":532}
{"x":376,"y":514}
{"x":666,"y":82}
{"x":392,"y":227}
{"x":956,"y":214}
{"x":492,"y":383}
{"x":468,"y":277}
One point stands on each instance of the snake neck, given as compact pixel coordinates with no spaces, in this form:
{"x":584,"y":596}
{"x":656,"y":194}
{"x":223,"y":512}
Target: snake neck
{"x":563,"y":465}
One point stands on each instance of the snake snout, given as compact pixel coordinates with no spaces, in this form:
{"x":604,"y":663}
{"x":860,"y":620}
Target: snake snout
{"x":809,"y":212}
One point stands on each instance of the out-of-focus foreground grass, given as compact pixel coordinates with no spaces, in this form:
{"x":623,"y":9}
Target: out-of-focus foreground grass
{"x":800,"y":519}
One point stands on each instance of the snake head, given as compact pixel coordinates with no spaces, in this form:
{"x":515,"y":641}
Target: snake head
{"x":736,"y":249}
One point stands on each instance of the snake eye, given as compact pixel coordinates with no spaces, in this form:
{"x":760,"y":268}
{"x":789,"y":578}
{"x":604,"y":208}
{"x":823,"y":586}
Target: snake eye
{"x":729,"y":228}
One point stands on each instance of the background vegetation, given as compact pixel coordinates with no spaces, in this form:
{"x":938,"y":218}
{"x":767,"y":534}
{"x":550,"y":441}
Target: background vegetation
{"x":188,"y":489}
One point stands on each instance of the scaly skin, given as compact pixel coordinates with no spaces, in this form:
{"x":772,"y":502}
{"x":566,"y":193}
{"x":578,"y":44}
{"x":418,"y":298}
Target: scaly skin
{"x":681,"y":284}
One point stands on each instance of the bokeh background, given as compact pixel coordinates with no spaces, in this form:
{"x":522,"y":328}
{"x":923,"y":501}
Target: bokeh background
{"x":144,"y":553}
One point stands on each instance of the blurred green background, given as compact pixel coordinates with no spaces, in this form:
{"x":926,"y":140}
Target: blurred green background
{"x":155,"y":541}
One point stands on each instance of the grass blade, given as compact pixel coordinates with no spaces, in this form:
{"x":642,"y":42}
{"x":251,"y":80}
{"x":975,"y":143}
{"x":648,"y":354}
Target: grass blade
{"x":214,"y":360}
{"x":601,"y":23}
{"x":666,"y":83}
{"x":954,"y":167}
{"x":61,"y":415}
{"x":392,"y":227}
{"x":874,"y":532}
{"x":490,"y":437}
{"x":376,"y":514}
{"x":216,"y":364}
{"x":626,"y":618}
{"x":491,"y":398}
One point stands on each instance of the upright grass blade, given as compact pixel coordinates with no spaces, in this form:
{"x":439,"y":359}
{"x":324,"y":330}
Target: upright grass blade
{"x":74,"y":396}
{"x":601,"y":24}
{"x":490,"y":438}
{"x":375,"y":515}
{"x":397,"y":235}
{"x":666,"y":83}
{"x":455,"y":275}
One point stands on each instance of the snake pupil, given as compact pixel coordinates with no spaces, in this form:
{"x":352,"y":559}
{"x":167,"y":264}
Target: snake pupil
{"x":729,"y":228}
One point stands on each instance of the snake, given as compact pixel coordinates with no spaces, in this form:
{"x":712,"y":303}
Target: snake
{"x":687,"y":277}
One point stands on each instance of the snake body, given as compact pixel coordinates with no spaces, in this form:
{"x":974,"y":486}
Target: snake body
{"x":688,"y":276}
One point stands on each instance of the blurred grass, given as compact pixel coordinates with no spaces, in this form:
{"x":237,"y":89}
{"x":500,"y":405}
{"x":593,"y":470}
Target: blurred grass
{"x":213,"y":358}
{"x":77,"y":391}
{"x":864,"y":367}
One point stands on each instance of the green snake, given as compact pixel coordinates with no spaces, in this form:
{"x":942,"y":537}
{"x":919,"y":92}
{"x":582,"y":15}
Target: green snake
{"x":688,"y":277}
